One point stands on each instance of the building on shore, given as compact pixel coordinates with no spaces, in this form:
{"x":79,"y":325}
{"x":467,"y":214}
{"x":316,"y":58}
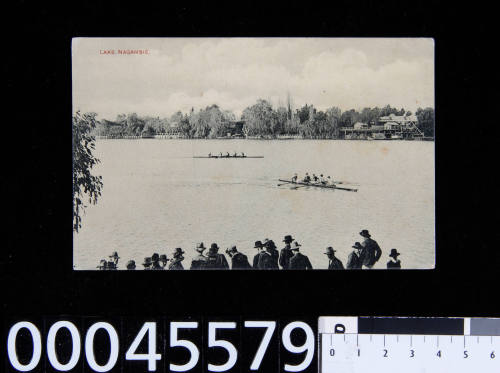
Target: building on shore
{"x":391,"y":127}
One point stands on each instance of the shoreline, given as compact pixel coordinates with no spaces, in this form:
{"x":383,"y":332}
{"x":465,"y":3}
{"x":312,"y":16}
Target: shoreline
{"x":166,"y":137}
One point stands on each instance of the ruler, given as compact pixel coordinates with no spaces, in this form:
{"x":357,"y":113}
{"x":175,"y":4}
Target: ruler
{"x":408,"y":344}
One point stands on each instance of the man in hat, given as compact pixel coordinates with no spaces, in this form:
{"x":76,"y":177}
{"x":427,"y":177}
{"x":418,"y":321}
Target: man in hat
{"x":163,"y":260}
{"x":147,"y":264}
{"x":258,"y":245}
{"x":371,"y":252}
{"x":334,"y":262}
{"x":286,"y":252}
{"x":265,"y":259}
{"x":176,"y":262}
{"x":131,"y":265}
{"x":394,"y":263}
{"x":353,"y":261}
{"x":271,"y":249}
{"x":238,"y":260}
{"x":295,"y":177}
{"x":216,"y":260}
{"x":103,"y":265}
{"x":298,"y":260}
{"x":307,"y":178}
{"x":113,"y":263}
{"x":200,"y":260}
{"x":155,"y":259}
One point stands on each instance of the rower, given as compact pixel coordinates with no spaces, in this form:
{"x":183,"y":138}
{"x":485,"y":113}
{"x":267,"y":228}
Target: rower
{"x":322,"y":179}
{"x":221,"y":154}
{"x":307,"y":178}
{"x":209,"y":155}
{"x":315,"y":178}
{"x":330,"y":181}
{"x":294,"y":178}
{"x":243,"y":155}
{"x":228,"y":155}
{"x":235,"y":154}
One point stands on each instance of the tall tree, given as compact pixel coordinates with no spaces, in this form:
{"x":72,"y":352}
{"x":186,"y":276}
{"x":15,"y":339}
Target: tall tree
{"x":86,"y":186}
{"x":426,"y":121}
{"x":260,"y":119}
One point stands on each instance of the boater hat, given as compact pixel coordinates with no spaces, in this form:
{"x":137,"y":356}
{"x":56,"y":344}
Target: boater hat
{"x":365,"y":233}
{"x":357,"y":245}
{"x":258,"y":245}
{"x":296,"y":245}
{"x":200,"y":247}
{"x":288,"y":238}
{"x":329,"y":250}
{"x":147,"y":262}
{"x":131,"y":264}
{"x":163,"y":258}
{"x":155,"y":257}
{"x":394,"y":253}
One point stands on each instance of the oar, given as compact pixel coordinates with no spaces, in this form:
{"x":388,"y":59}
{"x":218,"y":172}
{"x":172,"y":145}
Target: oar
{"x":298,"y":186}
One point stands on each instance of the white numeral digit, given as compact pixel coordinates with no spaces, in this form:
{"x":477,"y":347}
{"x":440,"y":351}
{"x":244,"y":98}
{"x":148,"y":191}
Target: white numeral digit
{"x":37,"y":346}
{"x":51,"y":345}
{"x":174,"y":342}
{"x":89,"y":347}
{"x":151,"y":356}
{"x":307,"y":346}
{"x":213,"y":342}
{"x":270,"y":326}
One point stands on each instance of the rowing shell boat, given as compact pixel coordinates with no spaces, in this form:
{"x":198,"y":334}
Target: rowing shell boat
{"x":317,"y":185}
{"x":232,"y":157}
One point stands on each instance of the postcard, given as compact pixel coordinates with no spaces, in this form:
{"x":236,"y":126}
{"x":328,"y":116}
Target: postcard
{"x":253,"y":153}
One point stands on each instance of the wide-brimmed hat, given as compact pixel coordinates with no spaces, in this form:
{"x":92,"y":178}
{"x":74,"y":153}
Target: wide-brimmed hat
{"x":288,"y":238}
{"x":357,"y":245}
{"x":155,"y":257}
{"x":330,"y":250}
{"x":200,"y":247}
{"x":214,"y":246}
{"x":147,"y":262}
{"x":258,"y":245}
{"x":394,"y":253}
{"x":178,"y":251}
{"x":131,"y":264}
{"x":163,"y":258}
{"x":114,"y":255}
{"x":296,"y":245}
{"x":365,"y":233}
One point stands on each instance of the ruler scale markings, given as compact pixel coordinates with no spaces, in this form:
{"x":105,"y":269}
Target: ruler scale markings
{"x":393,"y":354}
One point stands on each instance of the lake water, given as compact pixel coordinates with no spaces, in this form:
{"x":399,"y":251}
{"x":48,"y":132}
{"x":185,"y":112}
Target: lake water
{"x":156,"y":197}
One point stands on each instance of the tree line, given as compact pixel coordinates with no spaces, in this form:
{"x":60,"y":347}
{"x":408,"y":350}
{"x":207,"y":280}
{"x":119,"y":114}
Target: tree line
{"x":260,"y":120}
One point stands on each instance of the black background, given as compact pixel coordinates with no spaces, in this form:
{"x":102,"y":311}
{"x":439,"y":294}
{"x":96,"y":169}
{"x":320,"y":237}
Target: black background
{"x":36,"y":263}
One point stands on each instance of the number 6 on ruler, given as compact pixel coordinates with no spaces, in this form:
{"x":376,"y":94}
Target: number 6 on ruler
{"x":270,"y":326}
{"x":307,"y":346}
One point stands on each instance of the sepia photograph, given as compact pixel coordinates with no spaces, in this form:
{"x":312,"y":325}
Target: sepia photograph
{"x":253,"y":153}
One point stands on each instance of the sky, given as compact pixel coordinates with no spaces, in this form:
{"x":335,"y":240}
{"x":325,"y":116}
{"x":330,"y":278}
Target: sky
{"x":184,"y":73}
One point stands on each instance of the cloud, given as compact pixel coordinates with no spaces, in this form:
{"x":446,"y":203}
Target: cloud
{"x":179,"y":74}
